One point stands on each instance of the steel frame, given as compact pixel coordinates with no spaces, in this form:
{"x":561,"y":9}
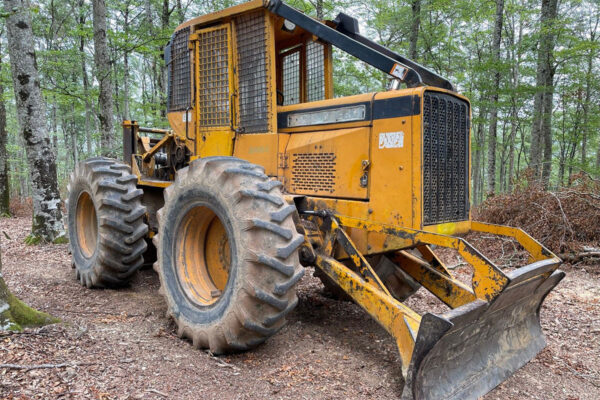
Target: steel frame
{"x":361,"y":282}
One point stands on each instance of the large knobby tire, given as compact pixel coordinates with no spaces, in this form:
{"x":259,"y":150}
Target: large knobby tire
{"x":227,"y":254}
{"x":106,"y":226}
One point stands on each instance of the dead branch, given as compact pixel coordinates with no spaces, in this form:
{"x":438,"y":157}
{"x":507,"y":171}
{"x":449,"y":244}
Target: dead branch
{"x":574,"y":258}
{"x":28,"y":368}
{"x":157,"y":392}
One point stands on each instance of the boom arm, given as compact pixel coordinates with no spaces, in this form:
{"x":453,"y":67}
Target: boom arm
{"x":346,"y":43}
{"x":347,"y":38}
{"x":349,"y":26}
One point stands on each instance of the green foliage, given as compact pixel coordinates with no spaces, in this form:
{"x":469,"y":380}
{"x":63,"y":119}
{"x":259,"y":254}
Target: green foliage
{"x":32,"y":240}
{"x":454,"y":40}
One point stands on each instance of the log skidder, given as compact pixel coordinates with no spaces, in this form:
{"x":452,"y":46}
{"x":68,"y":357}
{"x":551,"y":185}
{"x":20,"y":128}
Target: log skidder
{"x":264,"y":168}
{"x":106,"y":223}
{"x":227,"y":255}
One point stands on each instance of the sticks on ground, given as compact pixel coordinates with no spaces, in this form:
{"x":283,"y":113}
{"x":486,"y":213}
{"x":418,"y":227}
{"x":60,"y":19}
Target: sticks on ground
{"x":30,"y":367}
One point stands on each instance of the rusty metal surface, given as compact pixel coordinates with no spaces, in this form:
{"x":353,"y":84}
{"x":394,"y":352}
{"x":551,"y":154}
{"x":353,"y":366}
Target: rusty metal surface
{"x":468,"y":351}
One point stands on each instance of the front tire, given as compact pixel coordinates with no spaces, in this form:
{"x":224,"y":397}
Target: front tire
{"x":105,"y":219}
{"x":227,"y":254}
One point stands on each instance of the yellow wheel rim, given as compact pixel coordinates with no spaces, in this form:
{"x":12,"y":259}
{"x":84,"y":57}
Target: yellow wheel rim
{"x":202,"y":256}
{"x":87,"y":224}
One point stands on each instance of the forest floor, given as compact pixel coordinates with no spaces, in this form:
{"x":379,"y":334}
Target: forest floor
{"x":118,"y":344}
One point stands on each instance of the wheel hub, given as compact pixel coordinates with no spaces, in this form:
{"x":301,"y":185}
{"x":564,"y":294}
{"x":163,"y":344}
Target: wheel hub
{"x":87,"y":224}
{"x":202,"y":256}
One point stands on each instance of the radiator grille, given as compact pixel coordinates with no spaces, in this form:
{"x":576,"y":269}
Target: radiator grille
{"x":313,"y":172}
{"x":252,"y":75}
{"x":213,"y":69}
{"x":179,"y":96}
{"x":445,"y":159}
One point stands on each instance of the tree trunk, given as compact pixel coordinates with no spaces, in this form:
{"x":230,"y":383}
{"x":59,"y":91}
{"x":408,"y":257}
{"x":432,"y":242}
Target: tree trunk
{"x":159,"y":63}
{"x":541,"y":133}
{"x":126,"y":66}
{"x":319,"y":9}
{"x":47,"y":215}
{"x":477,"y":157}
{"x":492,"y":137}
{"x":4,"y":178}
{"x":587,"y":102}
{"x":547,"y":128}
{"x":180,"y":12}
{"x":516,"y":70}
{"x":103,"y":74}
{"x":414,"y":28}
{"x":16,"y":315}
{"x":86,"y":124}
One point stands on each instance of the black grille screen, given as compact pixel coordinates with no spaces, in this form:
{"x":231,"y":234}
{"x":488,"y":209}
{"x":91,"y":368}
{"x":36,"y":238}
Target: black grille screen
{"x":179,"y":96}
{"x":445,"y":158}
{"x":252,"y":72}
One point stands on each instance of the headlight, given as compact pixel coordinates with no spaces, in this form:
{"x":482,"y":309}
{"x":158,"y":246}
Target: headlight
{"x":330,"y":116}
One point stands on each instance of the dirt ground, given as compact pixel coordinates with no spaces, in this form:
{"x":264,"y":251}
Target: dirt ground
{"x":119,"y":345}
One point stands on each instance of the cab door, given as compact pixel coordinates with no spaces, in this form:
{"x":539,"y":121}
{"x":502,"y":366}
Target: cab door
{"x":214,"y":90}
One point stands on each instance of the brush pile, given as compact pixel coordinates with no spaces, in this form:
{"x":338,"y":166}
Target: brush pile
{"x":566,"y":220}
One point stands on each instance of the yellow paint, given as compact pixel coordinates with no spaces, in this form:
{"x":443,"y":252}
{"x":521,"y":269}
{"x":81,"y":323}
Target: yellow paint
{"x":536,"y":250}
{"x":86,"y":224}
{"x":152,"y":151}
{"x":213,"y":140}
{"x":449,"y":228}
{"x":451,"y":291}
{"x":260,"y":148}
{"x":329,"y":163}
{"x":488,"y":280}
{"x":359,"y":260}
{"x":397,"y":319}
{"x":376,"y":194}
{"x":222,"y":14}
{"x":202,"y":255}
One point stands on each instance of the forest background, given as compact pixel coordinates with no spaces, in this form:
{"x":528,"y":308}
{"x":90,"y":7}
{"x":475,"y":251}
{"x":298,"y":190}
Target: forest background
{"x":530,"y":69}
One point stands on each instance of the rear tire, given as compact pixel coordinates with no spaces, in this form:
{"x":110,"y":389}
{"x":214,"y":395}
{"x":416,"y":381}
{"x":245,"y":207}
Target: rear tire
{"x":105,"y":219}
{"x":227,"y":254}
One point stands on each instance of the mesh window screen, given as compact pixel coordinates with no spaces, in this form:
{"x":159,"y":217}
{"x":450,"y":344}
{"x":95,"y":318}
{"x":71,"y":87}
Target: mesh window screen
{"x":213,"y":68}
{"x":254,"y":102}
{"x":291,"y":78}
{"x":315,"y":71}
{"x":179,"y":98}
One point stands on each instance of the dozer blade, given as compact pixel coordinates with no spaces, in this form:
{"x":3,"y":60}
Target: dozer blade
{"x":466,"y":352}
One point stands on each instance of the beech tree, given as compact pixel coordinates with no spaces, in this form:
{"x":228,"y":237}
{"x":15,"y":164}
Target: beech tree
{"x":103,"y":74}
{"x":541,"y":131}
{"x":16,"y":315}
{"x":31,"y":110}
{"x":507,"y":80}
{"x":4,"y":178}
{"x":494,"y":100}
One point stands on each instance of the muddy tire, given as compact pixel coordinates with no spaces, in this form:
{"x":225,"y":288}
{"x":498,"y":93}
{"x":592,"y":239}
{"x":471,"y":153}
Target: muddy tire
{"x":227,"y":254}
{"x":105,"y":220}
{"x":398,"y":282}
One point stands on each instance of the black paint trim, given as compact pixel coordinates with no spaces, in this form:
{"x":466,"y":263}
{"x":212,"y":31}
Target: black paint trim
{"x":395,"y":107}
